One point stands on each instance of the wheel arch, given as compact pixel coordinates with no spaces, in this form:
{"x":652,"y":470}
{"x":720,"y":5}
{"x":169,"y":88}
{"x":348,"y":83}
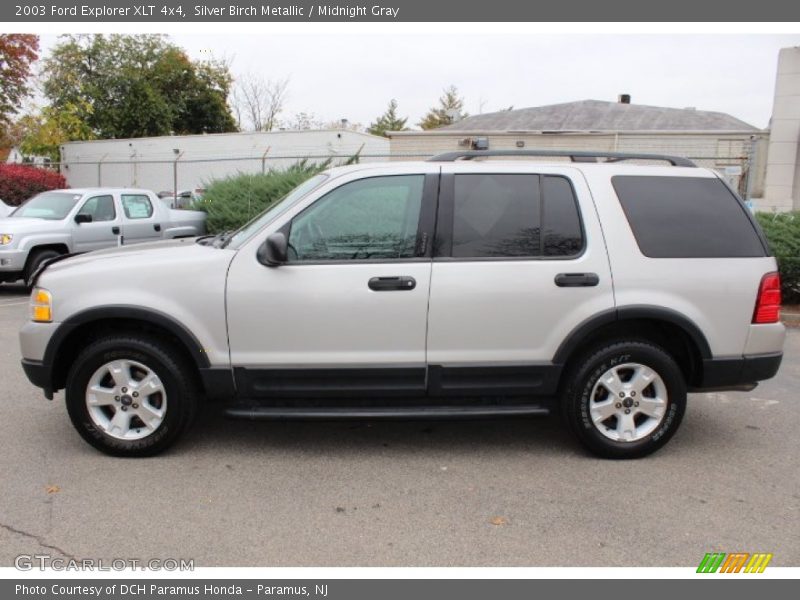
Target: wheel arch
{"x":73,"y":334}
{"x":675,"y":332}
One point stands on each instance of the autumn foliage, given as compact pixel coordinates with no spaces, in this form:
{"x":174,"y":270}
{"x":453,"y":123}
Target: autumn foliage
{"x":20,"y":182}
{"x":17,"y":52}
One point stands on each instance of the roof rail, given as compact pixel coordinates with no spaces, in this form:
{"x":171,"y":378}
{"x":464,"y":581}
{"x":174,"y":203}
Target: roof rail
{"x":574,"y":155}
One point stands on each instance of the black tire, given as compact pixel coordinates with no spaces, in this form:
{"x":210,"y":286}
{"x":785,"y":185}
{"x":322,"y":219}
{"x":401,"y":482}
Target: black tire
{"x":35,"y":260}
{"x":580,"y":384}
{"x":175,"y":373}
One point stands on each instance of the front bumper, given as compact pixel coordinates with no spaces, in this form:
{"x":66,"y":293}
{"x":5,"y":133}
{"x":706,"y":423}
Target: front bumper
{"x":34,"y":339}
{"x":12,"y":260}
{"x":39,"y":375}
{"x":733,"y":373}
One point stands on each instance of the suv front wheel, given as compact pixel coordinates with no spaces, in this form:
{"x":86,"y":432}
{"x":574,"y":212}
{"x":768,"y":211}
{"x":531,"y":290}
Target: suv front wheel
{"x":130,"y":395}
{"x":624,"y":399}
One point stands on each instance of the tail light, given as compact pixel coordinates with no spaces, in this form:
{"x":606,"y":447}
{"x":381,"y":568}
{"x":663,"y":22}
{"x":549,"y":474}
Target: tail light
{"x":768,"y":303}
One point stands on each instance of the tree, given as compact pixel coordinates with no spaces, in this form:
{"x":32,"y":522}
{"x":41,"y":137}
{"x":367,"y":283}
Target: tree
{"x":388,"y":121}
{"x":18,"y":51}
{"x":42,"y":133}
{"x":260,"y":101}
{"x":303,"y":121}
{"x":136,"y":85}
{"x":450,"y":110}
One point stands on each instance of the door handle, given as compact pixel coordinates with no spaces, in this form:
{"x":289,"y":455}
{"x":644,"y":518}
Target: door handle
{"x":392,"y":284}
{"x":115,"y":230}
{"x":157,"y":227}
{"x":577,"y":279}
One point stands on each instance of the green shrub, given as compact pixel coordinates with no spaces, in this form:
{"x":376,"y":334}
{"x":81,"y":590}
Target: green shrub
{"x":233,"y":201}
{"x":783,"y":233}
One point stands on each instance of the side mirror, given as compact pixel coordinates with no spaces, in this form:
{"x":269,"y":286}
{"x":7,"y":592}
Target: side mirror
{"x":83,"y":218}
{"x":274,"y":250}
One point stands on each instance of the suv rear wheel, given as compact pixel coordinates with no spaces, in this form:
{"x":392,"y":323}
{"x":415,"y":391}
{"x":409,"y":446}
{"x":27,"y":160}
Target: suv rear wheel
{"x":130,"y":395}
{"x":624,"y":399}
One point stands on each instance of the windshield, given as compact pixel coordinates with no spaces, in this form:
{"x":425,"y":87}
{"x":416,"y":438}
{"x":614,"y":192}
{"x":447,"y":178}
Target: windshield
{"x":246,"y":232}
{"x":53,"y":206}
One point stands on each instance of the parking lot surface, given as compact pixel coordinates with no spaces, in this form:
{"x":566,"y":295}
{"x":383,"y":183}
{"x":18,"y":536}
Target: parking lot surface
{"x":468,"y":493}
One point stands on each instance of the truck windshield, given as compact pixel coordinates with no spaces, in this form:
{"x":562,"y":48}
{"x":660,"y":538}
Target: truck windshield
{"x":53,"y":206}
{"x":275,"y":209}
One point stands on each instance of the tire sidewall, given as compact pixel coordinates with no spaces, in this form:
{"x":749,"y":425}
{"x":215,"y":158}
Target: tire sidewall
{"x":152,"y":357}
{"x":598,"y":364}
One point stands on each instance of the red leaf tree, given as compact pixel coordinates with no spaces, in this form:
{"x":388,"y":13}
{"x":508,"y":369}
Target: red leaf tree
{"x":20,"y":182}
{"x":18,"y":51}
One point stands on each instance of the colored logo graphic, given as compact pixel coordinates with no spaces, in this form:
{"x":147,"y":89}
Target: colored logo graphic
{"x":737,"y":562}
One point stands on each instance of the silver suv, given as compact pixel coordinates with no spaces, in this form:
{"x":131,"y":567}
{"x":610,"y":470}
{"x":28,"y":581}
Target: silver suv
{"x":597,"y":287}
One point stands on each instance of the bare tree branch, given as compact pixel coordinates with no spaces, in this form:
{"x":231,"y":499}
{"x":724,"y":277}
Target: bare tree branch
{"x":259,"y":101}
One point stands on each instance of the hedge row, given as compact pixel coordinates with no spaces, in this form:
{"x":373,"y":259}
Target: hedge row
{"x":233,"y":201}
{"x":783,"y":233}
{"x":20,"y":182}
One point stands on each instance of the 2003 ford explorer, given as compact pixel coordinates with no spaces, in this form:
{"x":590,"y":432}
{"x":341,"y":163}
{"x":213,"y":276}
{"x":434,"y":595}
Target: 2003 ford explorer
{"x":598,"y":287}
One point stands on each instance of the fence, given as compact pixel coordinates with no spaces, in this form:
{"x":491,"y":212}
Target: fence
{"x":741,"y":165}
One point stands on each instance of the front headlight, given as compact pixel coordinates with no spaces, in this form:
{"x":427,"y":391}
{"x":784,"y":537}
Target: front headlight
{"x":41,"y":305}
{"x":5,"y":239}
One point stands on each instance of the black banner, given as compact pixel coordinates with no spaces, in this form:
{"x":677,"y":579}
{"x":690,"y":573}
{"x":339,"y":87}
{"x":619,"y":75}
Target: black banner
{"x":397,"y":11}
{"x":392,"y":589}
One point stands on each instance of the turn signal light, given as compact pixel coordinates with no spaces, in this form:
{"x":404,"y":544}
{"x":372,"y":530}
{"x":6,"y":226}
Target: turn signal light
{"x":41,"y":306}
{"x":768,"y":303}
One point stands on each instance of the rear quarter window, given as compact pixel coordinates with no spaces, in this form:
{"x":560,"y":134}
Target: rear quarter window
{"x":687,"y":217}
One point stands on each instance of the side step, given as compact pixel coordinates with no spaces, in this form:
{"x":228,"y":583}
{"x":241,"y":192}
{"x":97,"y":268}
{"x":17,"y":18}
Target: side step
{"x":384,"y":412}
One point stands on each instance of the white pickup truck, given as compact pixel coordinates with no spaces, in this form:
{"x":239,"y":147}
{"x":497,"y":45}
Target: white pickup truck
{"x":81,"y":220}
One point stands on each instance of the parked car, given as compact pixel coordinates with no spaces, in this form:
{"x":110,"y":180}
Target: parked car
{"x":5,"y":209}
{"x":184,"y":199}
{"x":449,"y":288}
{"x":74,"y":221}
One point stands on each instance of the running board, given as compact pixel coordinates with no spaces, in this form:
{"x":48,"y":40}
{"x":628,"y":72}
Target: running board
{"x":384,"y":412}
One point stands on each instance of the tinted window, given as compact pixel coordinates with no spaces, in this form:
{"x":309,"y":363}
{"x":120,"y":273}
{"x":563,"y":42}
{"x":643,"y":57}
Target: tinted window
{"x":686,"y":217}
{"x":562,"y":225}
{"x":100,"y":208}
{"x":136,"y":206}
{"x":367,"y":219}
{"x":512,"y":215}
{"x":496,"y":215}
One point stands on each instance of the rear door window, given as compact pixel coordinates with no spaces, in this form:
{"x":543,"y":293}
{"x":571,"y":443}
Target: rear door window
{"x":137,"y":206}
{"x":686,"y":217}
{"x":515,"y":216}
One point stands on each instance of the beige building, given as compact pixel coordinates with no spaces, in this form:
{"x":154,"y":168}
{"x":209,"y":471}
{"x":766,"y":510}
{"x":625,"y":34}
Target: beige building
{"x":783,"y":164}
{"x":711,"y":139}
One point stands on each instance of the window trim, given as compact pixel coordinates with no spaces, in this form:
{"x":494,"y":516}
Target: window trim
{"x":125,"y":210}
{"x":443,"y":239}
{"x":113,"y":204}
{"x":425,"y":226}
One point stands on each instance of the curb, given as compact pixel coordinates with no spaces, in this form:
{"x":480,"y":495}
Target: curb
{"x":791,"y":319}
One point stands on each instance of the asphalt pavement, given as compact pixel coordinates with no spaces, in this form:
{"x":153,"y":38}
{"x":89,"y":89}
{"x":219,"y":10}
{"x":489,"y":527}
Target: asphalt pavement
{"x":459,"y":493}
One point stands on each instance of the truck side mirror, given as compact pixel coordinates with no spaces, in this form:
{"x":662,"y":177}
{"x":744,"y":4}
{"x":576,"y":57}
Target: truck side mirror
{"x":83,"y":218}
{"x":273,"y":252}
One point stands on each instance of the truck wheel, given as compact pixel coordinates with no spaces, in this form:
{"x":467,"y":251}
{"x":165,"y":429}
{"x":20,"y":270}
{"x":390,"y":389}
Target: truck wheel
{"x":36,"y":259}
{"x":130,"y":395}
{"x":624,"y":399}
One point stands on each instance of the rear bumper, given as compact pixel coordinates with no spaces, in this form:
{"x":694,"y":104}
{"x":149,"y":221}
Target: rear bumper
{"x":732,"y":373}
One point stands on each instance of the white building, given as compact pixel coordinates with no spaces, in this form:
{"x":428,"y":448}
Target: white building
{"x":190,"y":161}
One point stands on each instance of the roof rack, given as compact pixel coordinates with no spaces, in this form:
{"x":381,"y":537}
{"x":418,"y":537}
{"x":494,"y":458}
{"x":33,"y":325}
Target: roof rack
{"x":574,"y":155}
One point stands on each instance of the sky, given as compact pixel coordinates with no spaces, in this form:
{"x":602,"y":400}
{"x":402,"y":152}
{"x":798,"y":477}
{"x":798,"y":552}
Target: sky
{"x":354,"y":76}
